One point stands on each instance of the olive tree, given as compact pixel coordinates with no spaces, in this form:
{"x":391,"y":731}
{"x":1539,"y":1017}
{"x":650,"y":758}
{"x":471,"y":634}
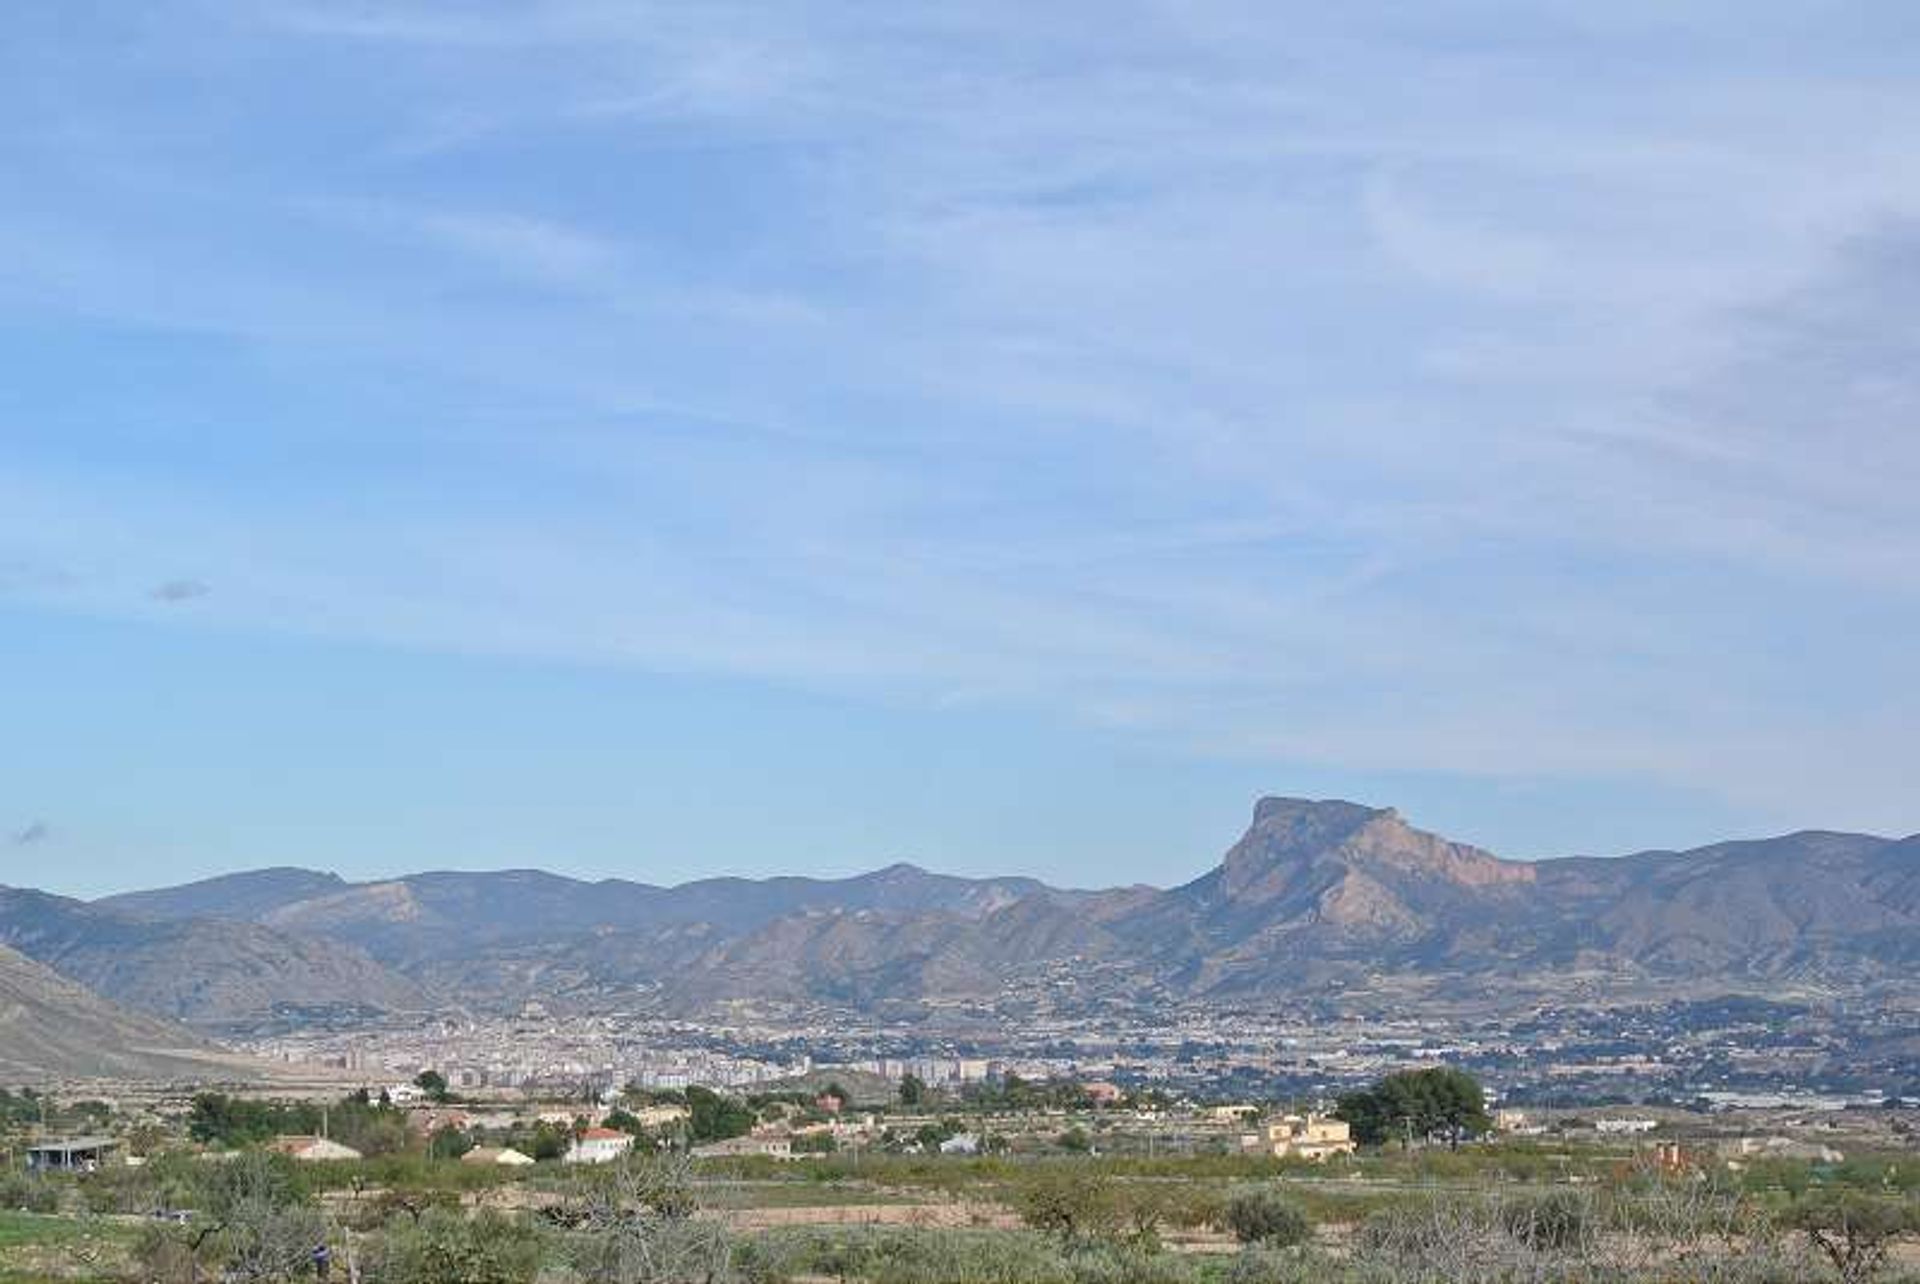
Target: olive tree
{"x":633,"y":1222}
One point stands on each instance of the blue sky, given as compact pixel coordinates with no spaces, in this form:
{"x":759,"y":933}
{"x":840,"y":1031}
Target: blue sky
{"x":662,"y":439}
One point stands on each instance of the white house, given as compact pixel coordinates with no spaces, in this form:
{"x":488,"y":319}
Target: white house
{"x":599,"y":1146}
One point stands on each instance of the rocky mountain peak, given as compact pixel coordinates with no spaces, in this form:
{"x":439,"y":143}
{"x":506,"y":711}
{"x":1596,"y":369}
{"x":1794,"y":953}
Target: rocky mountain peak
{"x":1290,"y":836}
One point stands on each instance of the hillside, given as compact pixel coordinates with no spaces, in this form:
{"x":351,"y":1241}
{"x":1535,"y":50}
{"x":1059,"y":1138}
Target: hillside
{"x":200,"y":970}
{"x":51,"y":1028}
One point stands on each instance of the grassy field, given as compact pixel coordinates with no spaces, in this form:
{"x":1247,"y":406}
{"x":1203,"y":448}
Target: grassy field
{"x":41,"y":1249}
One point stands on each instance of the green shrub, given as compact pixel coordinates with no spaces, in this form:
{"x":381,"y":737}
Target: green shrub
{"x":22,"y":1193}
{"x":1557,"y":1221}
{"x":444,"y":1247}
{"x":1114,"y":1264}
{"x":1069,"y":1200}
{"x":1856,"y":1232}
{"x":167,"y":1254}
{"x":1261,"y":1215}
{"x":1257,"y":1264}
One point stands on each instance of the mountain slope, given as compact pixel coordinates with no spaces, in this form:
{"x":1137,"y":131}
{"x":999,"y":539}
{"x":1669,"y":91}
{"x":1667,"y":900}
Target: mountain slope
{"x":1808,"y":904}
{"x":198,"y":969}
{"x":244,"y":896}
{"x":1317,"y":888}
{"x":51,"y":1027}
{"x":866,"y":957}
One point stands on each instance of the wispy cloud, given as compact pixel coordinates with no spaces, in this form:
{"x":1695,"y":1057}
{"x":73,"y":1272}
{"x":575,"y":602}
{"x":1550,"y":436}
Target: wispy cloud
{"x":532,"y":247}
{"x":37,"y":832}
{"x":173,"y":591}
{"x":1335,"y":385}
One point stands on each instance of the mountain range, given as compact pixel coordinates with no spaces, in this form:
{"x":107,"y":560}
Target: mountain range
{"x":1314,"y":894}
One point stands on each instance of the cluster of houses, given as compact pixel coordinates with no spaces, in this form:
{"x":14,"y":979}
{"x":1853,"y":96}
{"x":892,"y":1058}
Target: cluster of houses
{"x":1314,"y":1137}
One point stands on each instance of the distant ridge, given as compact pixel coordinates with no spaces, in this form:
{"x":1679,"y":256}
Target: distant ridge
{"x":206,"y":970}
{"x":1315,"y":893}
{"x":238,"y":896}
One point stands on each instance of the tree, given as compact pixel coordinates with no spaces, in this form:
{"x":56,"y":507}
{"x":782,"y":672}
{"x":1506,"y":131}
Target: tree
{"x":1067,"y":1200}
{"x":547,"y":1142}
{"x":633,"y":1223}
{"x":449,"y":1142}
{"x":218,"y":1119}
{"x":1854,"y":1231}
{"x":370,"y":1129}
{"x":433,"y":1083}
{"x":913,"y":1090}
{"x":1419,"y":1104}
{"x":444,"y":1247}
{"x":931,"y":1135}
{"x":1262,"y":1216}
{"x":265,"y":1225}
{"x":713,"y":1117}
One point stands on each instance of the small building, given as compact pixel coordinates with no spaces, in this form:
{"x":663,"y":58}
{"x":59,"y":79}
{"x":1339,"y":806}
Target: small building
{"x":598,"y":1146}
{"x":312,"y":1150}
{"x":1670,"y":1158}
{"x":1309,"y":1137}
{"x":1619,"y":1127}
{"x":1102,"y":1093}
{"x":773,"y":1146}
{"x":496,"y":1157}
{"x":1780,"y":1148}
{"x":75,"y":1154}
{"x":660,"y":1116}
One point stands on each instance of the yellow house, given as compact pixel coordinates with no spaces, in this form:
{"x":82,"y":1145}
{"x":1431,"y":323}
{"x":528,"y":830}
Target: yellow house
{"x":1309,"y":1137}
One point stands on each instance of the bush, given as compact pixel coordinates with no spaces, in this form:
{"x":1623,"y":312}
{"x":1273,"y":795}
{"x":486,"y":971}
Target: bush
{"x":22,"y":1193}
{"x":951,"y":1257}
{"x":1438,"y":1239}
{"x":1067,"y":1200}
{"x":443,"y":1247}
{"x":1259,"y":1215}
{"x":1111,"y":1264}
{"x":166,"y":1255}
{"x":1259,"y":1265}
{"x":924,"y":1256}
{"x":1558,"y":1221}
{"x":1856,"y":1232}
